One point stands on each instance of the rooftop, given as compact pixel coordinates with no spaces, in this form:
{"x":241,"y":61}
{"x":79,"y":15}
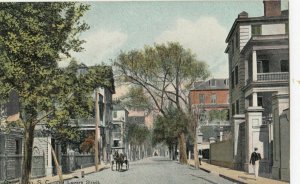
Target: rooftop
{"x":212,"y":84}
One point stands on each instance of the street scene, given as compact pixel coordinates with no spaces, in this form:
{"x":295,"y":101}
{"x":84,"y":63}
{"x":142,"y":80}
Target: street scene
{"x":145,"y":92}
{"x":154,"y":170}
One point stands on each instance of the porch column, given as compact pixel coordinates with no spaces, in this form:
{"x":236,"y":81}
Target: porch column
{"x":254,"y":66}
{"x":246,"y":71}
{"x":254,"y":99}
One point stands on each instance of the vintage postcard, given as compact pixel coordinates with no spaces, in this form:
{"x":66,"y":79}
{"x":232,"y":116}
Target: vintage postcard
{"x":140,"y":92}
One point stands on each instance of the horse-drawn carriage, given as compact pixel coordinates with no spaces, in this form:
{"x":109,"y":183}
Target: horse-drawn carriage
{"x":118,"y":159}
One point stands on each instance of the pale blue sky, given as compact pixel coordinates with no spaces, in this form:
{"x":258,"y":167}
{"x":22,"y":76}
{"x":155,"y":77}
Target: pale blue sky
{"x":199,"y":25}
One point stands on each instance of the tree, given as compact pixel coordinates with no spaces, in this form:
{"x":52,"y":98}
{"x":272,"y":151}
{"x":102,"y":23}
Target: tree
{"x":136,"y":136}
{"x":165,"y":72}
{"x":33,"y":38}
{"x":136,"y":99}
{"x":168,"y":128}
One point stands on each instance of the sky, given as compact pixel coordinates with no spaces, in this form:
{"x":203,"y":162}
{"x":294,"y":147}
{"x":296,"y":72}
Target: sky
{"x":201,"y":26}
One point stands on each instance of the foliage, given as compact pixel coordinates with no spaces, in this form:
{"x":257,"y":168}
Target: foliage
{"x":163,"y":71}
{"x":136,"y":99}
{"x":218,"y":115}
{"x":34,"y":37}
{"x":88,"y":145}
{"x":137,"y":134}
{"x":166,"y":129}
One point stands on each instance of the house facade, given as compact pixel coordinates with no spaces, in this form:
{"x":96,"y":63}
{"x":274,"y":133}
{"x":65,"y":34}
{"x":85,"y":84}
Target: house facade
{"x":119,"y":121}
{"x":207,"y":98}
{"x":258,"y":55}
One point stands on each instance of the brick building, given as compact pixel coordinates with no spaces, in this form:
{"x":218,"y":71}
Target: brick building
{"x":212,"y":94}
{"x":208,"y":98}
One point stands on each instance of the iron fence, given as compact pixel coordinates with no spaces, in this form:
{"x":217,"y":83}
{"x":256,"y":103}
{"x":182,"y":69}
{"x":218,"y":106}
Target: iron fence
{"x":11,"y":165}
{"x":73,"y":161}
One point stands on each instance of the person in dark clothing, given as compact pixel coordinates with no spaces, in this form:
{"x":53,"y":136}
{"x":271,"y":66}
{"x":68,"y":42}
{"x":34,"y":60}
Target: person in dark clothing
{"x":254,"y":161}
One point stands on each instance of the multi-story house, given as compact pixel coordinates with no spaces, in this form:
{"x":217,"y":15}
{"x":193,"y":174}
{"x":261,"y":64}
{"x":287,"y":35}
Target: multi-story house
{"x":258,"y":54}
{"x":119,"y":121}
{"x":206,"y":97}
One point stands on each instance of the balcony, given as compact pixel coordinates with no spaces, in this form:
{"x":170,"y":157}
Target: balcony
{"x":274,"y":76}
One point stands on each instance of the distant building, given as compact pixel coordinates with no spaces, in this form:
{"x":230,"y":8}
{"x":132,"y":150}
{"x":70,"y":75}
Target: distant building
{"x":120,"y":119}
{"x":206,"y":98}
{"x":258,"y":54}
{"x":211,"y":95}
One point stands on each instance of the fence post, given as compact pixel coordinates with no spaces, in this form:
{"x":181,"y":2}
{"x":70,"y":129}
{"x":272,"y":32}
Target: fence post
{"x":5,"y":166}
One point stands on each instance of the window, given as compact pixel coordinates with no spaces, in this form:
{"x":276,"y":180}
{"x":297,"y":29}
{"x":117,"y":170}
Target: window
{"x":116,"y":143}
{"x":232,"y":109}
{"x":213,"y":99}
{"x":237,"y":40}
{"x":202,"y":98}
{"x":213,"y":82}
{"x":232,"y":79}
{"x":18,"y":146}
{"x":226,"y":82}
{"x":284,"y":66}
{"x":263,"y":66}
{"x":260,"y":101}
{"x":228,"y":98}
{"x":236,"y":75}
{"x":115,"y":114}
{"x":237,"y":106}
{"x":256,"y":30}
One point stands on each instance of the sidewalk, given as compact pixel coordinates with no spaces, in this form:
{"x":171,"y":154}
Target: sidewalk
{"x":55,"y":179}
{"x":235,"y":175}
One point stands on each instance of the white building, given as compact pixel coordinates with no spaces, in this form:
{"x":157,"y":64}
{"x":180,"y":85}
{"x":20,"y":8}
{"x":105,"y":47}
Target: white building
{"x":258,"y":54}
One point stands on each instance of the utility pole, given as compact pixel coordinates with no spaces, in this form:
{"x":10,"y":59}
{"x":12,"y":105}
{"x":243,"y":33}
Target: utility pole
{"x":97,"y":118}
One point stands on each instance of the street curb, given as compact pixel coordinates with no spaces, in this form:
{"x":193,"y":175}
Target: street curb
{"x":70,"y":178}
{"x":232,"y":179}
{"x":221,"y":175}
{"x":205,"y":170}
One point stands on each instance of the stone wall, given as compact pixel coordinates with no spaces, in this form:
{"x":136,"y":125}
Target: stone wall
{"x":221,"y":153}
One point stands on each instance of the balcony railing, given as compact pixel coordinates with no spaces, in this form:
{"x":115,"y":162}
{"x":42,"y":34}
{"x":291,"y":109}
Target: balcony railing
{"x":274,"y":76}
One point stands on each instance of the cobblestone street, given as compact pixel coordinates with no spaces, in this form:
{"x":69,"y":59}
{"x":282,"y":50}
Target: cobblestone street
{"x":154,"y":170}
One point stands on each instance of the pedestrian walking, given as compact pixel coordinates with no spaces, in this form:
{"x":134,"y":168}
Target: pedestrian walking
{"x":254,"y":160}
{"x":200,"y":157}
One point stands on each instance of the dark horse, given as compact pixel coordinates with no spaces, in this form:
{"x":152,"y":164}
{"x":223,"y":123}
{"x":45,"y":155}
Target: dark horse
{"x":120,"y":159}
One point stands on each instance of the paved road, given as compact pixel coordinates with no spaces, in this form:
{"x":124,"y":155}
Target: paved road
{"x":154,"y":170}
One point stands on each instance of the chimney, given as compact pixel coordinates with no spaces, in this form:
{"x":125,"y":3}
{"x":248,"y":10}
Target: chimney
{"x":272,"y":8}
{"x":243,"y":15}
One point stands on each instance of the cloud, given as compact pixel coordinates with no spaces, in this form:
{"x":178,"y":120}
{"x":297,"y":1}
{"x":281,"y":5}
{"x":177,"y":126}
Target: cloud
{"x":100,"y":46}
{"x":205,"y":37}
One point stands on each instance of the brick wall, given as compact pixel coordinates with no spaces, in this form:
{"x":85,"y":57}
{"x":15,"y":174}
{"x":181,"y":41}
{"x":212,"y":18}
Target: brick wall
{"x":222,"y":96}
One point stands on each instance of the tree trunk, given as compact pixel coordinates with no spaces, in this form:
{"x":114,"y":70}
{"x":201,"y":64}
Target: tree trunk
{"x":196,"y":159}
{"x":175,"y":152}
{"x":170,"y":152}
{"x":182,"y":149}
{"x":26,"y":162}
{"x":61,"y":179}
